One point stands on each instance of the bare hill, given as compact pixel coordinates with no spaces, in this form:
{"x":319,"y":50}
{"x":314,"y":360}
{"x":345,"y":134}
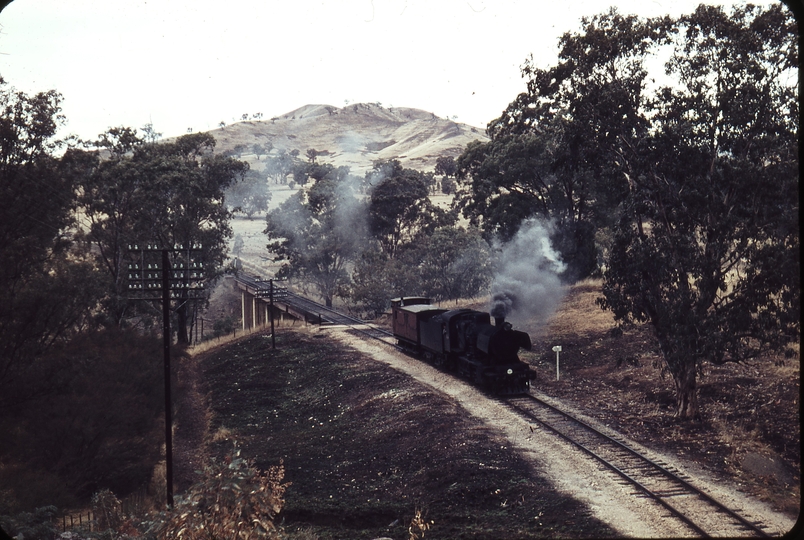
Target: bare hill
{"x":355,"y":135}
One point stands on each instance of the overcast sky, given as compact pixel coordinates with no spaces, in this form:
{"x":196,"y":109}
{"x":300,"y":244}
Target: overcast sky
{"x":183,"y":64}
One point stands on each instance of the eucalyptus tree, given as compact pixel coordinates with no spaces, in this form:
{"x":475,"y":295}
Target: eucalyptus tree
{"x":551,"y":153}
{"x":280,"y":166}
{"x":318,"y":234}
{"x":47,"y":287}
{"x":399,"y":210}
{"x":454,"y":263}
{"x":169,"y":193}
{"x":688,"y":192}
{"x":707,"y":247}
{"x":250,"y":195}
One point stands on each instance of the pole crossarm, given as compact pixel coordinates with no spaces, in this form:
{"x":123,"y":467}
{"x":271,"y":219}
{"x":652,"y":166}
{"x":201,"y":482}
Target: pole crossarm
{"x":147,"y":276}
{"x":258,"y":288}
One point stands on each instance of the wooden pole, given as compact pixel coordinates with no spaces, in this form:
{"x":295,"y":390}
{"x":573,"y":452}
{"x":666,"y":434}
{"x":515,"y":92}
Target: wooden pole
{"x":271,"y":298}
{"x":168,"y":407}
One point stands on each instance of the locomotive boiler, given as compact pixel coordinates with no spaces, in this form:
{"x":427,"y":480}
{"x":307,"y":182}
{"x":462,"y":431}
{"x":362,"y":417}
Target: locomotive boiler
{"x":465,"y":341}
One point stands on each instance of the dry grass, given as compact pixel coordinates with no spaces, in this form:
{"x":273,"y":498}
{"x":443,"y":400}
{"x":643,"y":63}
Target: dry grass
{"x":222,"y":434}
{"x":578,"y":313}
{"x":748,"y":410}
{"x":354,"y":138}
{"x":214,"y":343}
{"x":361,"y":464}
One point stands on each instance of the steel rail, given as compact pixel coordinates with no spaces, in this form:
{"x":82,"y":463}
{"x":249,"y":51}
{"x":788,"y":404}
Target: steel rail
{"x":655,"y":467}
{"x":374,"y":332}
{"x":336,"y":317}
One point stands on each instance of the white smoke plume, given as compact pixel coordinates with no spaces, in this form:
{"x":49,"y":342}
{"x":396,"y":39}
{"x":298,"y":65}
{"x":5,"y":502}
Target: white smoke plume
{"x":526,"y":284}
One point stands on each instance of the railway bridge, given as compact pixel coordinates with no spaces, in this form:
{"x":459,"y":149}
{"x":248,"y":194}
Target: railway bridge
{"x":258,"y":297}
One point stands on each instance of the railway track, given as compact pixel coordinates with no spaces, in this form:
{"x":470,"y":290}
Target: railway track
{"x":649,"y":478}
{"x":331,"y":316}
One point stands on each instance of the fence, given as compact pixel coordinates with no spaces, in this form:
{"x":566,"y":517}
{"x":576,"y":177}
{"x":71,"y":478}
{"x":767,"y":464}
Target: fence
{"x":135,"y":504}
{"x":81,"y":520}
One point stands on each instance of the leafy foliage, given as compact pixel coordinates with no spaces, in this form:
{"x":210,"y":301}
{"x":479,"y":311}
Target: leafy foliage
{"x":552,"y":151}
{"x":47,"y":290}
{"x":95,"y":420}
{"x":445,"y":166}
{"x":250,"y":195}
{"x":687,"y":194}
{"x":375,"y":280}
{"x":399,"y":208}
{"x":318,"y":234}
{"x":455,"y":263}
{"x":171,"y":193}
{"x":707,"y":249}
{"x":36,"y":525}
{"x":449,"y":264}
{"x":107,"y":509}
{"x":280,"y":166}
{"x":233,"y":500}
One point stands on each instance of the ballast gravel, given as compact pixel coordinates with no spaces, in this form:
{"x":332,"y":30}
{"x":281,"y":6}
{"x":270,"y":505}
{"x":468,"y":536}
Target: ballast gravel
{"x":570,"y":470}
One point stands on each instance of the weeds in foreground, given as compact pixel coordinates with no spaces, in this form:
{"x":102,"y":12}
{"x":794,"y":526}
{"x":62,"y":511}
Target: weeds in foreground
{"x":418,"y":526}
{"x":36,"y":525}
{"x":234,"y":500}
{"x":107,"y":509}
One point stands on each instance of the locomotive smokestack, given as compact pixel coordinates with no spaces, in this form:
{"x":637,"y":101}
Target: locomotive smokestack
{"x":502,"y":305}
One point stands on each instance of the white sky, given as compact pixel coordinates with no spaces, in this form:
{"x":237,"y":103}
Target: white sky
{"x":193,"y":63}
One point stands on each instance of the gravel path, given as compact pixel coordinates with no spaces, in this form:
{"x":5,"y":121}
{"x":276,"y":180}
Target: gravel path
{"x":571,"y":471}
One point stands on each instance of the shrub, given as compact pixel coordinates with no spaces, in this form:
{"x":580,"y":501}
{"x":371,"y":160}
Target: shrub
{"x":234,"y":500}
{"x":223,"y":327}
{"x":107,"y":509}
{"x":97,"y":425}
{"x":36,"y":525}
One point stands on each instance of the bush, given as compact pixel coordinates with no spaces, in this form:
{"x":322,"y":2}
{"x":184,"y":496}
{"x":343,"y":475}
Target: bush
{"x":107,"y":509}
{"x":97,"y":426}
{"x":234,"y":500}
{"x":448,"y":186}
{"x":223,"y":327}
{"x":36,"y":525}
{"x":25,"y":488}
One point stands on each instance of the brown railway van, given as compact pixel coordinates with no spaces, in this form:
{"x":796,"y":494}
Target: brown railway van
{"x":407,"y":313}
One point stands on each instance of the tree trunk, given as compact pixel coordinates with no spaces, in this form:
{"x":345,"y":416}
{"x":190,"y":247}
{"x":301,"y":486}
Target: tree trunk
{"x":328,"y":301}
{"x":686,"y":391}
{"x":181,"y":330}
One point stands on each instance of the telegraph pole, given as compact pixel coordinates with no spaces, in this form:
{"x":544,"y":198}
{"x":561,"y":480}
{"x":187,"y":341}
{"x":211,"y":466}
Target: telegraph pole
{"x":147,"y":279}
{"x":271,"y":309}
{"x":166,"y":341}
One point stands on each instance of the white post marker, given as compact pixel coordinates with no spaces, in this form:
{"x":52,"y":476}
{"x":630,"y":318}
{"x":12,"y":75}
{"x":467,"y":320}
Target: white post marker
{"x":557,"y":350}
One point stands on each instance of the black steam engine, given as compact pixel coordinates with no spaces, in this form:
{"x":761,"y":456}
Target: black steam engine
{"x":465,"y":341}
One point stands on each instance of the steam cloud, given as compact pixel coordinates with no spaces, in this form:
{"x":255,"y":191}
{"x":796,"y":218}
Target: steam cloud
{"x":527,"y":283}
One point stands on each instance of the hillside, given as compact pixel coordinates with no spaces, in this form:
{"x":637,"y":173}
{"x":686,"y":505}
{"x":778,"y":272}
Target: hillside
{"x":355,"y":135}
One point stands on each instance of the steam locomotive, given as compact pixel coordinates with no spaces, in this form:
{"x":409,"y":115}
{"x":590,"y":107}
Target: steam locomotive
{"x":465,"y":341}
